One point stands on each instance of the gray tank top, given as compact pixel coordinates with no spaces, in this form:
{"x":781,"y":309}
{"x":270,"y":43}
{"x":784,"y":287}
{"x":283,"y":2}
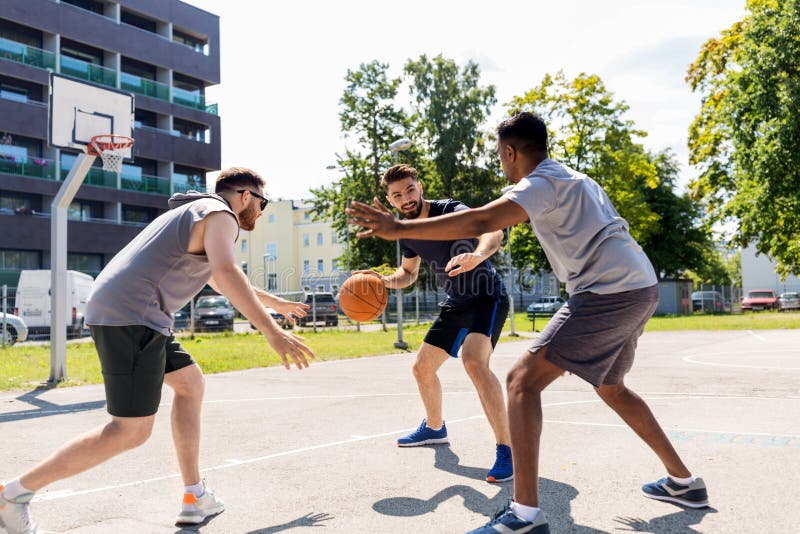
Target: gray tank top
{"x":154,"y":275}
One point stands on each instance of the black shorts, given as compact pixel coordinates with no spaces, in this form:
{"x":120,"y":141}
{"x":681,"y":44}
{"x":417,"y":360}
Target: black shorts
{"x":134,"y":360}
{"x":480,"y":315}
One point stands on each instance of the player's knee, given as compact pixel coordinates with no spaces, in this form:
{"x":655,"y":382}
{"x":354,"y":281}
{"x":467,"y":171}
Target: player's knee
{"x":475,"y":366}
{"x":422,"y":370}
{"x":522,"y":379}
{"x":132,"y":434}
{"x":611,"y":393}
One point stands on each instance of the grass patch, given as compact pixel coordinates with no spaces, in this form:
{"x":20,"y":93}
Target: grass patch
{"x":27,"y":366}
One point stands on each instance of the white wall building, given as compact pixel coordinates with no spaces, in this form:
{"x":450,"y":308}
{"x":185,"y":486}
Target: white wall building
{"x":758,"y":272}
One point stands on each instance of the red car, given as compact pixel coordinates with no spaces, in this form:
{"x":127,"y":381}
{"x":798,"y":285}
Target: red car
{"x":760,"y":299}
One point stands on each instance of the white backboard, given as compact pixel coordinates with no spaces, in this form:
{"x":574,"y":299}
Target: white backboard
{"x":80,"y":110}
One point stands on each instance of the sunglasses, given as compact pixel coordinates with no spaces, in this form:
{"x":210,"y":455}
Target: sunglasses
{"x":264,"y":200}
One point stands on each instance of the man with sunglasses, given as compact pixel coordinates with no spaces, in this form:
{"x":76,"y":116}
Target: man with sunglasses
{"x":129,"y":312}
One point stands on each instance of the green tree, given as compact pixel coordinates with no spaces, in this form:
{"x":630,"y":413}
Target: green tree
{"x":746,"y":137}
{"x":587,"y":131}
{"x":681,"y":241}
{"x":450,"y":108}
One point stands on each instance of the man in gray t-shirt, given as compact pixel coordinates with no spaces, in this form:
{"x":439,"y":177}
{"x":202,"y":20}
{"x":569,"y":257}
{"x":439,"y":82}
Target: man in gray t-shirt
{"x":129,"y":313}
{"x":613,"y":292}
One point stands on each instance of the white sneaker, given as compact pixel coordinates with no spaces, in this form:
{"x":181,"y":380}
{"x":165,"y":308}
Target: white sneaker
{"x":197,"y":509}
{"x":15,"y":514}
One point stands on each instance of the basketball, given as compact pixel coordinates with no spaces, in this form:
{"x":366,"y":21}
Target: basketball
{"x":363,"y":297}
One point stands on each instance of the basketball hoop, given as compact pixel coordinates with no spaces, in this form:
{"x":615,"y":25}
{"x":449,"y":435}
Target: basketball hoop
{"x":111,"y":149}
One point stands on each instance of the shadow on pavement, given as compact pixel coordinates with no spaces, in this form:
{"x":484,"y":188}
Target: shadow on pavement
{"x":681,"y":521}
{"x":308,"y":520}
{"x":185,"y":529}
{"x":446,"y":460}
{"x":555,"y":501}
{"x":45,"y":408}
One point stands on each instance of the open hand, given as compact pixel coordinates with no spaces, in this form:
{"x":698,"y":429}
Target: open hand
{"x":291,"y":309}
{"x":377,"y":219}
{"x":290,"y":346}
{"x":371,"y":273}
{"x":463,"y":263}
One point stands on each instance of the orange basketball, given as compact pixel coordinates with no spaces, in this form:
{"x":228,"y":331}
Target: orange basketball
{"x":363,"y":297}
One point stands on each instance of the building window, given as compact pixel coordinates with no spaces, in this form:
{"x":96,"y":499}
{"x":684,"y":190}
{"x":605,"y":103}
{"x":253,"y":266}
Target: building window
{"x":244,"y":245}
{"x":272,"y":251}
{"x":199,"y":44}
{"x":320,"y":266}
{"x":271,"y":218}
{"x":319,"y":239}
{"x":82,"y":210}
{"x":14,"y":202}
{"x":306,"y":241}
{"x":140,"y":22}
{"x":17,"y":260}
{"x":307,"y":216}
{"x":192,"y":177}
{"x":137,"y":214}
{"x":272,"y":281}
{"x":334,"y":238}
{"x":334,"y":265}
{"x":244,"y":267}
{"x":88,"y":263}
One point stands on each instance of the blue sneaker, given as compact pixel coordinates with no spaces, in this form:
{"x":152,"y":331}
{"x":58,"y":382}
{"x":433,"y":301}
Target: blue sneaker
{"x":506,"y":522}
{"x":503,"y":467}
{"x":694,"y":495}
{"x":424,"y":436}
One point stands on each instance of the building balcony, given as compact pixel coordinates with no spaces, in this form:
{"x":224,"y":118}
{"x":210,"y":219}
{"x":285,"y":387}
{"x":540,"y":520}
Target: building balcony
{"x":88,"y":72}
{"x":45,"y":169}
{"x":27,"y":55}
{"x":141,"y":86}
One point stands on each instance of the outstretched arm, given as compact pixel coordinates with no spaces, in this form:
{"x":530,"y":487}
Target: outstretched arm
{"x":496,"y":215}
{"x":220,"y":231}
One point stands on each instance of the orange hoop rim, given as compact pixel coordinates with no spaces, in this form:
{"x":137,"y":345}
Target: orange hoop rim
{"x":101,"y":143}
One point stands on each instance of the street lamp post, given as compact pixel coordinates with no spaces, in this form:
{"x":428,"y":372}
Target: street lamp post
{"x":397,"y":146}
{"x":513,"y":332}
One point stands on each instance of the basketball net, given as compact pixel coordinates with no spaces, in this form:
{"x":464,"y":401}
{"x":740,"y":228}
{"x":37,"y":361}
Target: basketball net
{"x":111,"y":149}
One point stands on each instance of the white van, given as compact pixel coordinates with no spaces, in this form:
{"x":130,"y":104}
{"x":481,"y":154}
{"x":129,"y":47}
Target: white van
{"x":33,"y":300}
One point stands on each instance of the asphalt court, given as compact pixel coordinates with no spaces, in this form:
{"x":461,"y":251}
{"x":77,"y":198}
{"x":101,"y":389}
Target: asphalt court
{"x":315,"y":450}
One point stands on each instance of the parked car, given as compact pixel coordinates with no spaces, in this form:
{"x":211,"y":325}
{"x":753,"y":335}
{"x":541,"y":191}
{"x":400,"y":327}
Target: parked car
{"x":324,"y":308}
{"x":16,"y":330}
{"x":789,"y":301}
{"x":708,"y":301}
{"x":181,"y":318}
{"x":545,"y":305}
{"x":213,"y":313}
{"x":280,"y":318}
{"x":760,"y":299}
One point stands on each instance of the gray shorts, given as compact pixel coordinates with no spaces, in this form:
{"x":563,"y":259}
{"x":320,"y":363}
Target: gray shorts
{"x":594,"y":336}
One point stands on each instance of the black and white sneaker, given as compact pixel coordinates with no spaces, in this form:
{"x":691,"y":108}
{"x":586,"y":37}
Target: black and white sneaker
{"x":694,"y":495}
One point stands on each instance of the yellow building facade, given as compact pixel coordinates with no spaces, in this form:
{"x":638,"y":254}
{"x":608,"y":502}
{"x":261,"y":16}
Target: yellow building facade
{"x":288,"y":252}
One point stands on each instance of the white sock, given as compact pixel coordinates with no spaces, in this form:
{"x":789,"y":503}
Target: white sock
{"x":14,"y":489}
{"x":434,"y":429}
{"x":197,"y":489}
{"x":528,"y":513}
{"x":682,"y":481}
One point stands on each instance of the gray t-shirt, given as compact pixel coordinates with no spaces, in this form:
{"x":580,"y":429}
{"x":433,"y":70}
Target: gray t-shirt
{"x":154,"y":275}
{"x":585,"y":239}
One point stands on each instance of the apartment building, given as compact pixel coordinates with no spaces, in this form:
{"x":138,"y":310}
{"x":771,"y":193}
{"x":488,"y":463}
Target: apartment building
{"x":289,"y":252}
{"x":166,"y":53}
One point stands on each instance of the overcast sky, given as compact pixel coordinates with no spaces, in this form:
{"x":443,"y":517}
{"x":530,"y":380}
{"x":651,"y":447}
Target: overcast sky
{"x":283,"y":65}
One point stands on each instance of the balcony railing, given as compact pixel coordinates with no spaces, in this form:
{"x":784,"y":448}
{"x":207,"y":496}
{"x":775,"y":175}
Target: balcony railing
{"x":182,"y":187}
{"x":145,"y":87}
{"x":32,"y":167}
{"x":88,"y":71}
{"x":145,"y":184}
{"x":28,"y":55}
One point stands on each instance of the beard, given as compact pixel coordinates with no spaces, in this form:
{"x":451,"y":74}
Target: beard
{"x":248,"y":218}
{"x":414,"y":211}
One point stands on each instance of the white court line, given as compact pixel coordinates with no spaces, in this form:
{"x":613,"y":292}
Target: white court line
{"x":692,"y":358}
{"x":62,"y":494}
{"x":760,"y":338}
